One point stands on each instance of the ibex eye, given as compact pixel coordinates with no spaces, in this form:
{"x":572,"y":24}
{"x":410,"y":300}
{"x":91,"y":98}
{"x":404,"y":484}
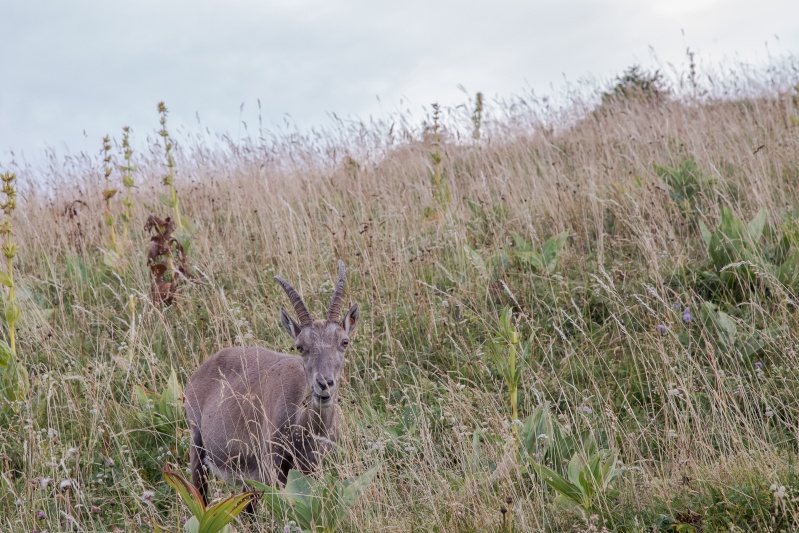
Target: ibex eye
{"x":345,"y":343}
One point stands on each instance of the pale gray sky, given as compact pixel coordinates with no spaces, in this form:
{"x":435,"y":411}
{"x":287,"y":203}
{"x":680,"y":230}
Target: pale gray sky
{"x":95,"y":65}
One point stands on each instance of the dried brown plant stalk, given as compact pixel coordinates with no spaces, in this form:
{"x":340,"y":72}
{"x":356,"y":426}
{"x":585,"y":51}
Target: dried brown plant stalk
{"x":166,"y":259}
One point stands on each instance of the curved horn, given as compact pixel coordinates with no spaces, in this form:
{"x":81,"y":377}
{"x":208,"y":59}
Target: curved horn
{"x":338,"y":295}
{"x":296,"y":301}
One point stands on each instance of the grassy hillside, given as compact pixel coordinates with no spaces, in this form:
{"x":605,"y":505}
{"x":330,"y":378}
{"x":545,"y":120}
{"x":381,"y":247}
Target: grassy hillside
{"x":647,"y":248}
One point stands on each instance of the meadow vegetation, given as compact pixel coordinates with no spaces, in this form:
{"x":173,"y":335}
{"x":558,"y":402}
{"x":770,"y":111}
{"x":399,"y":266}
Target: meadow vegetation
{"x":575,"y":316}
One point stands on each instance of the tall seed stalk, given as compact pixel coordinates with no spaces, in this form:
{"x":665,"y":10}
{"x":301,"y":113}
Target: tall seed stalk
{"x":511,"y":370}
{"x":127,"y":178}
{"x":169,"y":179}
{"x":9,"y":250}
{"x":109,"y":192}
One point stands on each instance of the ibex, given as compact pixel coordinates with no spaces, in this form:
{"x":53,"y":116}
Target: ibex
{"x":255,"y":413}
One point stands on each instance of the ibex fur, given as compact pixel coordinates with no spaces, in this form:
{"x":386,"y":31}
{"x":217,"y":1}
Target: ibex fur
{"x":255,"y":413}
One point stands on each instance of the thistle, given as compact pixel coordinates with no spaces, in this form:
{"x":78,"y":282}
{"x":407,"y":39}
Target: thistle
{"x":127,"y":177}
{"x":109,"y":193}
{"x":169,"y":179}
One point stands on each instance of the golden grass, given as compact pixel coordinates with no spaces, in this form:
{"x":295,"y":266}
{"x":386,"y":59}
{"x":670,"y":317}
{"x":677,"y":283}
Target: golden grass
{"x":683,"y":418}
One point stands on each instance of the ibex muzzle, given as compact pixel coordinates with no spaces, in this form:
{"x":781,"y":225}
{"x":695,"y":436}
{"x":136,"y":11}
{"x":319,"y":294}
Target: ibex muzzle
{"x":255,"y":413}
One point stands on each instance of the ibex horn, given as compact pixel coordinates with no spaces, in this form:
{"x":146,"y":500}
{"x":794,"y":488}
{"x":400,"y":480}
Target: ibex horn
{"x":338,"y":294}
{"x":296,"y":301}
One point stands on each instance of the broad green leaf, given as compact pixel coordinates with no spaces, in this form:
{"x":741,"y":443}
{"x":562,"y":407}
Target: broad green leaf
{"x":353,"y":488}
{"x":5,"y":354}
{"x":552,"y":249}
{"x":192,"y":525}
{"x":522,"y":246}
{"x":475,"y":258}
{"x":5,"y":279}
{"x":188,"y":492}
{"x":726,"y":327}
{"x":788,"y":273}
{"x":12,"y":312}
{"x":706,"y":235}
{"x":558,"y":483}
{"x":272,"y":497}
{"x":15,"y":382}
{"x":573,"y":469}
{"x":218,"y":516}
{"x":756,"y":225}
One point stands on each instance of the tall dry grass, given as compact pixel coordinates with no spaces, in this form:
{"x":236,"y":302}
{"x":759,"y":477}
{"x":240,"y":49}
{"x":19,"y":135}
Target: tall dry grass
{"x":694,"y":423}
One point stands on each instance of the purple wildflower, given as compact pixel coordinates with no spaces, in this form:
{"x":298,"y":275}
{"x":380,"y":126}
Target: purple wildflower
{"x":662,"y":329}
{"x":760,"y":366}
{"x":677,"y":305}
{"x":42,"y":515}
{"x":687,"y":316}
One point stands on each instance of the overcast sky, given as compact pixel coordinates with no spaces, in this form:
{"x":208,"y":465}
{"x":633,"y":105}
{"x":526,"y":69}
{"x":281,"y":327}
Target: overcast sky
{"x":72,"y":66}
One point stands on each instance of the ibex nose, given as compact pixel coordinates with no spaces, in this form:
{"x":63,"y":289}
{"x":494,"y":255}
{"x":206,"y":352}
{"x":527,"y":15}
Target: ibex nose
{"x":324,"y":383}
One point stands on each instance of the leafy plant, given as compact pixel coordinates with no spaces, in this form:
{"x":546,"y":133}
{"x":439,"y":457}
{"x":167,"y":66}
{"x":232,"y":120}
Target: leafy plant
{"x":213,"y":519}
{"x":545,"y":260}
{"x":589,"y":472}
{"x":316,"y":506}
{"x":15,"y":376}
{"x":169,"y":180}
{"x":587,"y":478}
{"x":511,"y":370}
{"x":686,"y":183}
{"x":109,"y":193}
{"x":477,"y":116}
{"x":166,"y":259}
{"x":127,"y":178}
{"x":441,"y":191}
{"x":638,"y":82}
{"x":163,"y":411}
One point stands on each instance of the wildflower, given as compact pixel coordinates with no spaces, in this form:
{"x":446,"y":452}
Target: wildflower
{"x":677,"y":305}
{"x":662,"y":329}
{"x":94,"y":509}
{"x":760,"y":366}
{"x":147,"y":496}
{"x":42,"y":515}
{"x":585,"y":409}
{"x":18,"y":503}
{"x":72,"y":453}
{"x":687,"y":316}
{"x":769,"y":413}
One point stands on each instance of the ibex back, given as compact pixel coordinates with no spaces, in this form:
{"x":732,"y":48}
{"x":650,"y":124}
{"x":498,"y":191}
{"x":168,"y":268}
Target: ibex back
{"x":255,"y":413}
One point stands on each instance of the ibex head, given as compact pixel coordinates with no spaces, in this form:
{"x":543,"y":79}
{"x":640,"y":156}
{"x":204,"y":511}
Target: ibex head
{"x":321,"y":343}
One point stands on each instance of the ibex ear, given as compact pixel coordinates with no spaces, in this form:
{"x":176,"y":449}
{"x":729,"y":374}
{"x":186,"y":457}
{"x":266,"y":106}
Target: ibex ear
{"x":292,"y":327}
{"x":351,"y":319}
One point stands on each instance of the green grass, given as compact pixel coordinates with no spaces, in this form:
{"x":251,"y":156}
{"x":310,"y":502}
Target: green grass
{"x":703,"y":415}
